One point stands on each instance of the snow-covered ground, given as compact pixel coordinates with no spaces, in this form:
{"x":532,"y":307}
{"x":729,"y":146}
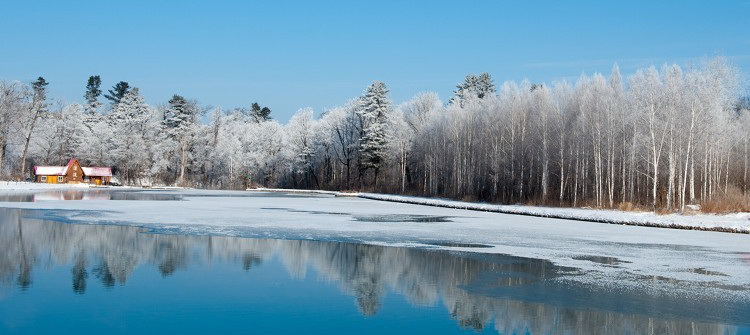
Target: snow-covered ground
{"x":735,"y":223}
{"x":696,"y":262}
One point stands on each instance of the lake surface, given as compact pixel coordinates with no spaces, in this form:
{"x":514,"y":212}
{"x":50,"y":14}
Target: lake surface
{"x":64,"y":278}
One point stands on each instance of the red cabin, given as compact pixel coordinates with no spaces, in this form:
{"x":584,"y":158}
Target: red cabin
{"x":73,"y":173}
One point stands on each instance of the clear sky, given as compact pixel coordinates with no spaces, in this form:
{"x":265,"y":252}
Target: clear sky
{"x":293,"y":54}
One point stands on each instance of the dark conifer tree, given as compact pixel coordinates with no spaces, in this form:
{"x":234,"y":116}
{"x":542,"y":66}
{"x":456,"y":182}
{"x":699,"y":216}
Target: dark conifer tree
{"x":117,"y":92}
{"x":92,"y":94}
{"x":260,"y":114}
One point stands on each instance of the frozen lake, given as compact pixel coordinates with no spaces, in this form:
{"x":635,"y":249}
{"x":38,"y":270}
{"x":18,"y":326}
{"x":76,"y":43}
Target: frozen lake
{"x":238,"y":262}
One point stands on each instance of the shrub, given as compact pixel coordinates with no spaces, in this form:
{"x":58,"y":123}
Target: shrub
{"x":731,"y":201}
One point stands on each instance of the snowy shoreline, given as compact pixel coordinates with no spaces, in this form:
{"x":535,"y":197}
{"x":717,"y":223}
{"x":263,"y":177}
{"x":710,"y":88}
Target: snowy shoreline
{"x":738,"y":223}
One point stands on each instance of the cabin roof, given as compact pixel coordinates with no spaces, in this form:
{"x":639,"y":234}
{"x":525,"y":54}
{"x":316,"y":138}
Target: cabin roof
{"x":97,"y":171}
{"x":94,"y":171}
{"x":49,"y":170}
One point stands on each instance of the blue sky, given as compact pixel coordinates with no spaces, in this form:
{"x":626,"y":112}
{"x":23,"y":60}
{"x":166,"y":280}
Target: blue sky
{"x":293,"y":54}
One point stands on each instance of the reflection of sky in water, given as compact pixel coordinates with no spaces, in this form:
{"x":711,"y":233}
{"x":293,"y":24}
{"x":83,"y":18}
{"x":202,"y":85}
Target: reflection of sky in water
{"x":65,"y":278}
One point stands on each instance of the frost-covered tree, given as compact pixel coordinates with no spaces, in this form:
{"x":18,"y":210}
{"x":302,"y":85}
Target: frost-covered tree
{"x":130,"y":142}
{"x":15,"y":98}
{"x":29,"y":119}
{"x":180,"y":118}
{"x":92,"y":94}
{"x":341,"y":126}
{"x":300,"y":136}
{"x":474,"y":87}
{"x":71,"y":132}
{"x":374,"y":111}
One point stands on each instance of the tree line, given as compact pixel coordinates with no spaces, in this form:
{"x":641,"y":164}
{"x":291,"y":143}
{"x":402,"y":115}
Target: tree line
{"x":662,"y":137}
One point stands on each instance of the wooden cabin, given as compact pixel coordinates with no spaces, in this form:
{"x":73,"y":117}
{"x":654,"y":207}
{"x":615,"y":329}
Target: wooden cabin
{"x":73,"y":173}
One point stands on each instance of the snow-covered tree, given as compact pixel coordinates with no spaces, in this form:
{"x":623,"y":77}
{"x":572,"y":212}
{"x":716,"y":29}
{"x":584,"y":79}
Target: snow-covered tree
{"x":474,"y":87}
{"x":179,"y":124}
{"x":92,"y":94}
{"x":300,"y":136}
{"x":117,"y":93}
{"x":129,"y":142}
{"x":374,"y":111}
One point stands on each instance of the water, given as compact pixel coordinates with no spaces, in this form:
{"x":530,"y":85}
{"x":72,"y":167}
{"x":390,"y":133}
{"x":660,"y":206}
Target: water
{"x":66,"y":278}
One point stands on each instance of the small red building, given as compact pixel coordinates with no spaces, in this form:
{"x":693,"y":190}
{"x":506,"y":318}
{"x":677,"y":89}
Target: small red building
{"x":73,"y":173}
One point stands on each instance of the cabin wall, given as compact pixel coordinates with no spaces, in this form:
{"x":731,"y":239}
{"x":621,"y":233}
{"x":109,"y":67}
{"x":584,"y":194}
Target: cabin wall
{"x":74,"y":174}
{"x":49,"y":179}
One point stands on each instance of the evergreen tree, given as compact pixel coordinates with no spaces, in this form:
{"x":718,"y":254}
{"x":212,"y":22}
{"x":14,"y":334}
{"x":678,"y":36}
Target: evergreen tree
{"x":179,"y":114}
{"x":375,"y":108}
{"x":40,"y":94}
{"x":179,"y":121}
{"x":473,"y":87}
{"x":128,"y":122}
{"x":260,"y":114}
{"x":92,"y":94}
{"x":132,"y":109}
{"x":117,"y":93}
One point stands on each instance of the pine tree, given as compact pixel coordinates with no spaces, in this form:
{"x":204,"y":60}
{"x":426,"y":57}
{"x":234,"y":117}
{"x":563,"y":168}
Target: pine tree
{"x":40,"y":93}
{"x":131,"y":110}
{"x":128,"y":121}
{"x":179,"y":119}
{"x":375,"y":108}
{"x":117,"y":93}
{"x":92,"y":94}
{"x":179,"y":114}
{"x":260,"y":114}
{"x":473,"y":87}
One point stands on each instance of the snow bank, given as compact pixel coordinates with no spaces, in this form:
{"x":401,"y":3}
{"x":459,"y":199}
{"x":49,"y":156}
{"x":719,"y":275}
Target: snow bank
{"x":732,"y":223}
{"x":292,"y":190}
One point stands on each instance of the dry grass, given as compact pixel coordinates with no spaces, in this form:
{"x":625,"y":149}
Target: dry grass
{"x":630,"y":207}
{"x":469,"y":198}
{"x":733,"y":201}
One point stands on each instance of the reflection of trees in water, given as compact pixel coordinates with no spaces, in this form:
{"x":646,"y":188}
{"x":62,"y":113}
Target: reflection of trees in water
{"x":24,"y":266}
{"x":79,"y":272}
{"x":424,"y":277}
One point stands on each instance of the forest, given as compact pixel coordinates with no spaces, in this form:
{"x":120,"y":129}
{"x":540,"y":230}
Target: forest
{"x":663,"y":138}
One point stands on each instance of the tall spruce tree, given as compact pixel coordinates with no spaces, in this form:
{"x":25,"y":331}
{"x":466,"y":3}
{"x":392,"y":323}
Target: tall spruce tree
{"x":375,"y":108}
{"x":92,"y":95}
{"x":117,"y":93}
{"x":179,"y":120}
{"x":179,"y":114}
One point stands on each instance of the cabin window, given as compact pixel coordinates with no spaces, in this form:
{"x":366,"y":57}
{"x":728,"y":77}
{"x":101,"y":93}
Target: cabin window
{"x":60,"y":179}
{"x":75,"y":174}
{"x":44,"y":179}
{"x":86,"y":179}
